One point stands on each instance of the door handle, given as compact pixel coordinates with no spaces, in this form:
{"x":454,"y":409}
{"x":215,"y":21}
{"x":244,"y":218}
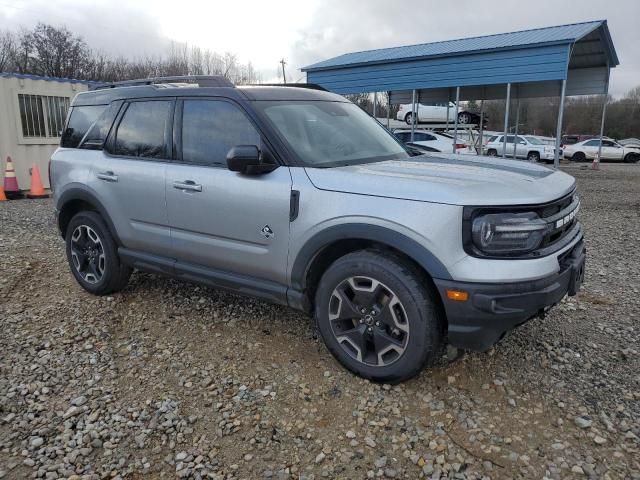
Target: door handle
{"x":107,"y":176}
{"x":188,"y":185}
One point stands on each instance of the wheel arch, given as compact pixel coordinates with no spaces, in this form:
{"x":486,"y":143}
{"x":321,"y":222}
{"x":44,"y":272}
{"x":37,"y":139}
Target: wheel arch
{"x":319,"y":252}
{"x":77,"y":199}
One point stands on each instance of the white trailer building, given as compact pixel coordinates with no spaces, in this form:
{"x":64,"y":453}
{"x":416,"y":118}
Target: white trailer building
{"x":33,"y":111}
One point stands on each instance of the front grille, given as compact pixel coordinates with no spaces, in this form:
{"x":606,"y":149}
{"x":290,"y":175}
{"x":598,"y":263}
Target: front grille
{"x":562,"y":216}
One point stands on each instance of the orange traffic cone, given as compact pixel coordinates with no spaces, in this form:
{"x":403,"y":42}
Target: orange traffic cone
{"x":37,"y":190}
{"x":3,"y":197}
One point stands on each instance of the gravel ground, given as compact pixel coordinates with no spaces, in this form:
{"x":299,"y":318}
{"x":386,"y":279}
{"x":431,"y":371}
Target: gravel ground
{"x":175,"y":380}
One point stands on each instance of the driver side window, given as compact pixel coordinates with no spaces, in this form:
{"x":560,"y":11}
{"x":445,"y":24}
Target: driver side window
{"x":210,"y":128}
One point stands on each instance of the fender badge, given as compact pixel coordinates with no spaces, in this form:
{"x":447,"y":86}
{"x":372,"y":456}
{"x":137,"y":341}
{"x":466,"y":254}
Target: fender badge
{"x":267,"y":232}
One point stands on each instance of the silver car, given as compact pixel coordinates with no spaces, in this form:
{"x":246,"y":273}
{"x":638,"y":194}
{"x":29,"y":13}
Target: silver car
{"x":297,"y":196}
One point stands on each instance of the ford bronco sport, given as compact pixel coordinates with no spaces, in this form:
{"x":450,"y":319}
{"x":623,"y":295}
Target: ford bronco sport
{"x":297,"y":196}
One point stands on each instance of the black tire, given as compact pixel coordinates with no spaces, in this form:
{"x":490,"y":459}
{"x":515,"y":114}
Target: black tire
{"x":407,"y":303}
{"x":409,"y":118}
{"x":464,"y":118}
{"x":579,"y":157}
{"x":533,"y":156}
{"x":492,"y":152}
{"x":113,"y":276}
{"x":631,"y":158}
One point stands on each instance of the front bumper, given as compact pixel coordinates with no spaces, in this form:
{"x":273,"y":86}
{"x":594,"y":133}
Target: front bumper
{"x":492,"y":309}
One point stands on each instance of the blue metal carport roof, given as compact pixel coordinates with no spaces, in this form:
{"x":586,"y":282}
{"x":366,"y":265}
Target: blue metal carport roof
{"x":543,"y":56}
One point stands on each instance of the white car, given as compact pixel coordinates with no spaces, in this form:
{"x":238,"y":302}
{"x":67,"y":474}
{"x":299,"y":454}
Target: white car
{"x":440,"y":142}
{"x":611,"y":150}
{"x":436,"y":112}
{"x":527,"y":146}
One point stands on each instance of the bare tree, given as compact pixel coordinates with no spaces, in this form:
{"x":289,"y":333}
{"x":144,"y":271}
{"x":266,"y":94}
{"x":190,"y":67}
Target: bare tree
{"x":7,"y":50}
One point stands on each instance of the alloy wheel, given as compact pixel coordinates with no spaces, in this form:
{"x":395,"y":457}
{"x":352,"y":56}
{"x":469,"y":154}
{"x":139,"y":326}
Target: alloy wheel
{"x":87,"y":254}
{"x":368,"y":321}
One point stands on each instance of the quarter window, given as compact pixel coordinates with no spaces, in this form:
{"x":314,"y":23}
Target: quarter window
{"x":80,"y":120}
{"x":210,"y":128}
{"x":42,"y":116}
{"x":141,"y":132}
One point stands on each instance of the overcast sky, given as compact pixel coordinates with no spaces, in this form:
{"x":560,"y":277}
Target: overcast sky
{"x":304,"y":32}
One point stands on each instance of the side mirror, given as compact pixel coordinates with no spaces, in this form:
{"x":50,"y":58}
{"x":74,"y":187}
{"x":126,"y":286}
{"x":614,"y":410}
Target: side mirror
{"x":247,"y":159}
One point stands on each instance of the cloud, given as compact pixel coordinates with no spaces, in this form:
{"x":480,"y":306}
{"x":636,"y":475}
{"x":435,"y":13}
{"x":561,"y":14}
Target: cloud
{"x":119,"y":30}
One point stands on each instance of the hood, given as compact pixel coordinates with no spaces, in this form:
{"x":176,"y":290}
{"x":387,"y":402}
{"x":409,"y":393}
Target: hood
{"x":450,"y":179}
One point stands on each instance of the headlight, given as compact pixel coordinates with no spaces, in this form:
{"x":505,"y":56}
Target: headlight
{"x":507,"y":233}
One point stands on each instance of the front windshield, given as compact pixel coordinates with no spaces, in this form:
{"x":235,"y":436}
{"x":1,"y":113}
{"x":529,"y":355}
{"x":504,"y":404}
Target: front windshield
{"x":329,"y":134}
{"x":535,"y":141}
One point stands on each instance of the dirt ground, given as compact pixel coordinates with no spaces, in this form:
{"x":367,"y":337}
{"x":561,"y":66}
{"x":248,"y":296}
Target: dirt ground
{"x":175,"y":380}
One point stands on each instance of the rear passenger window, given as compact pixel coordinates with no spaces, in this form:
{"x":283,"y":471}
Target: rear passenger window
{"x":141,"y":132}
{"x":210,"y":128}
{"x":80,"y":119}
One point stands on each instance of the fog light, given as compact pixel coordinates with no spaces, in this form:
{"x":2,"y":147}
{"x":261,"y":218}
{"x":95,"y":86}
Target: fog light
{"x":458,"y":295}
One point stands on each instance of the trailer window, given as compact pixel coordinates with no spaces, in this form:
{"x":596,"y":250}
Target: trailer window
{"x":42,"y":116}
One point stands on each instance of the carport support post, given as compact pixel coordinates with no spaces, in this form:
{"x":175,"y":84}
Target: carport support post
{"x":446,"y":122}
{"x":604,"y":112}
{"x":481,"y":139}
{"x":455,"y":132}
{"x":388,"y":108}
{"x":556,"y":153}
{"x":414,"y":114}
{"x":515,"y":134}
{"x":375,"y":98}
{"x":506,"y":122}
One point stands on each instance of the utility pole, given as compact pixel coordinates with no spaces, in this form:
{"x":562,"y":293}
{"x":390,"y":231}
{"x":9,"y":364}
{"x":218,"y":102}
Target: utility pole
{"x":284,"y":75}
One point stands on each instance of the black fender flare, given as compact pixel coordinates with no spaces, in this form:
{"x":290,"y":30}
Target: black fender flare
{"x":357,"y":231}
{"x":79,"y":191}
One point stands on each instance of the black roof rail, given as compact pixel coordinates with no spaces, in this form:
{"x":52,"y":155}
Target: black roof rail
{"x":310,"y":86}
{"x":200,"y":80}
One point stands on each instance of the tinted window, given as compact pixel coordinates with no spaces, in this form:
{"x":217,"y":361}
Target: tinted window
{"x":404,"y":136}
{"x":94,"y":140}
{"x":608,"y":143}
{"x":592,"y":143}
{"x":211,"y":128}
{"x":141,"y":132}
{"x":80,"y":120}
{"x":423,"y":137}
{"x":492,"y":138}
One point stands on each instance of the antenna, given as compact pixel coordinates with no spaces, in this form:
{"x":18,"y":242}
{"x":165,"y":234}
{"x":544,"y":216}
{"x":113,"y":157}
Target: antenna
{"x":284,"y":75}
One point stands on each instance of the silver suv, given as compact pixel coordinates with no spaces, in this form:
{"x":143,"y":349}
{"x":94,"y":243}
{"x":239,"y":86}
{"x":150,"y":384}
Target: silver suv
{"x":297,"y":196}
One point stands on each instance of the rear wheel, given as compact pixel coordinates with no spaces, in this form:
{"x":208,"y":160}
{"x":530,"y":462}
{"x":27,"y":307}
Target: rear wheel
{"x":464,"y":118}
{"x":578,"y":157}
{"x":92,"y":255}
{"x":410,"y":118}
{"x":378,"y":317}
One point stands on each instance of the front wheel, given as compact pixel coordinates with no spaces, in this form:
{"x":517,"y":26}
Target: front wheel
{"x":378,"y":317}
{"x":632,"y":157}
{"x":93,"y":256}
{"x":492,"y":152}
{"x":533,"y":157}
